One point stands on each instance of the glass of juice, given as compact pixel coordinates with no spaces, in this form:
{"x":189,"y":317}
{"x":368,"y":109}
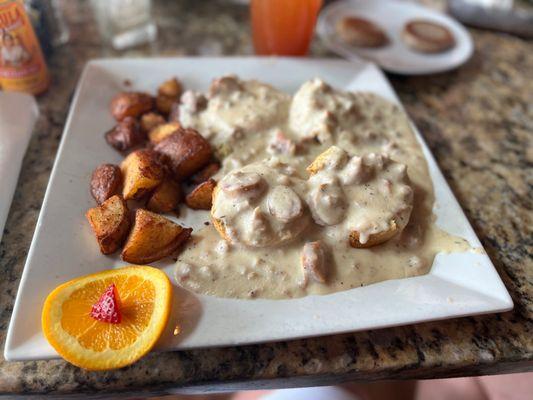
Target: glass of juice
{"x":283,"y":27}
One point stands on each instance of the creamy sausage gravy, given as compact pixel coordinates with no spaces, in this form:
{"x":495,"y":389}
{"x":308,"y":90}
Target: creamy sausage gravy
{"x":286,"y":231}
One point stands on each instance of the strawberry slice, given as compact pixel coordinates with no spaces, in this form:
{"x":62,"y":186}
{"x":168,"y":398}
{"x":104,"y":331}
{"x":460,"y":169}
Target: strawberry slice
{"x":107,"y":308}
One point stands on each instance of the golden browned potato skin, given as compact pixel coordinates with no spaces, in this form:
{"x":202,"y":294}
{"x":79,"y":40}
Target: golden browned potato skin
{"x":152,"y":238}
{"x":170,"y":88}
{"x":164,"y":104}
{"x":168,"y":93}
{"x":185,"y":151}
{"x":142,"y":172}
{"x":131,"y":104}
{"x":126,"y":135}
{"x":160,"y":132}
{"x":373,"y":240}
{"x":105,"y":182}
{"x":205,"y":173}
{"x":165,"y":198}
{"x":110,"y":223}
{"x":201,"y":197}
{"x":150,"y":120}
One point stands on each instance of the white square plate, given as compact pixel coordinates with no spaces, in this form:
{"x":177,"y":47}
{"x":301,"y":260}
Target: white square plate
{"x":63,"y":246}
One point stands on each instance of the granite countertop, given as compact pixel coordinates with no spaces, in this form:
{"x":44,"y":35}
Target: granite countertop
{"x":477,"y":120}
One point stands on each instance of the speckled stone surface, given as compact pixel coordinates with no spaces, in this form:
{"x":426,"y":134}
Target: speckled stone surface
{"x":478,"y":121}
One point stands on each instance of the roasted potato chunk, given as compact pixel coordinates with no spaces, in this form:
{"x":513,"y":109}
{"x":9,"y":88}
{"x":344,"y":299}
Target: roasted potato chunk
{"x":110,"y":223}
{"x":162,"y":131}
{"x":185,"y":151}
{"x":168,"y":94}
{"x":171,"y":88}
{"x":152,"y":238}
{"x":164,"y":104}
{"x":150,"y":120}
{"x":126,"y":135}
{"x":165,"y":197}
{"x":205,"y":173}
{"x":131,"y":104}
{"x":105,"y":182}
{"x":142,"y":172}
{"x":201,"y":198}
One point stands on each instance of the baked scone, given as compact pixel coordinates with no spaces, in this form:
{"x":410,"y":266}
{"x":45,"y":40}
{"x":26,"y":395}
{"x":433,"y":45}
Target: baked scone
{"x":360,"y":32}
{"x":366,"y":199}
{"x":260,"y":205}
{"x":427,"y":36}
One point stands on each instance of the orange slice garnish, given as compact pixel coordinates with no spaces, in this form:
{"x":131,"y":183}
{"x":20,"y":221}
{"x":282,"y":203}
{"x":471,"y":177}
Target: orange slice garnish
{"x":145,"y":302}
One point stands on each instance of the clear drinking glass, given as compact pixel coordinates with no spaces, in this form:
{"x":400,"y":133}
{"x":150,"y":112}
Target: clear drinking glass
{"x":125,"y":23}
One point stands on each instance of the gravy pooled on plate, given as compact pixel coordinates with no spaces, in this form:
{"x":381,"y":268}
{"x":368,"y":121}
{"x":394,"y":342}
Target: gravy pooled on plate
{"x":320,"y":192}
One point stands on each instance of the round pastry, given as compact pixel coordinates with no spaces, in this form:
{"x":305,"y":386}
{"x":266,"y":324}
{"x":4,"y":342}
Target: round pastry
{"x":361,"y":32}
{"x":427,"y":37}
{"x":366,"y":199}
{"x":260,"y":205}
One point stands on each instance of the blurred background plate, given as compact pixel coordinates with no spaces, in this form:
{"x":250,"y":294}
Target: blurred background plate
{"x":391,"y":16}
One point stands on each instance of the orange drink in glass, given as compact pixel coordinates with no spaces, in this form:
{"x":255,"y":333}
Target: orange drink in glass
{"x":283,"y":27}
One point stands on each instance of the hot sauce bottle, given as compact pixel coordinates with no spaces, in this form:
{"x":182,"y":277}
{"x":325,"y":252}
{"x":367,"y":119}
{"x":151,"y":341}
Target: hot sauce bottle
{"x":22,"y":64}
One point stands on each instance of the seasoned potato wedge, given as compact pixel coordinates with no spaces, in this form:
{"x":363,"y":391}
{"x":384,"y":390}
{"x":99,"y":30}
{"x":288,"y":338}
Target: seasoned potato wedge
{"x":374,"y":240}
{"x":164,"y":104}
{"x":131,"y":104}
{"x":110,"y":223}
{"x":105,"y":182}
{"x":152,"y":238}
{"x":142,"y":172}
{"x":165,"y":197}
{"x":171,"y":88}
{"x":201,"y":197}
{"x":150,"y":120}
{"x":205,"y":173}
{"x":185,"y":151}
{"x":126,"y":135}
{"x":168,"y":95}
{"x":162,"y":131}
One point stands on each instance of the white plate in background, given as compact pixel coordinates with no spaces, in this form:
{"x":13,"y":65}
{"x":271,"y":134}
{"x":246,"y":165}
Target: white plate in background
{"x":63,"y":246}
{"x":391,"y":16}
